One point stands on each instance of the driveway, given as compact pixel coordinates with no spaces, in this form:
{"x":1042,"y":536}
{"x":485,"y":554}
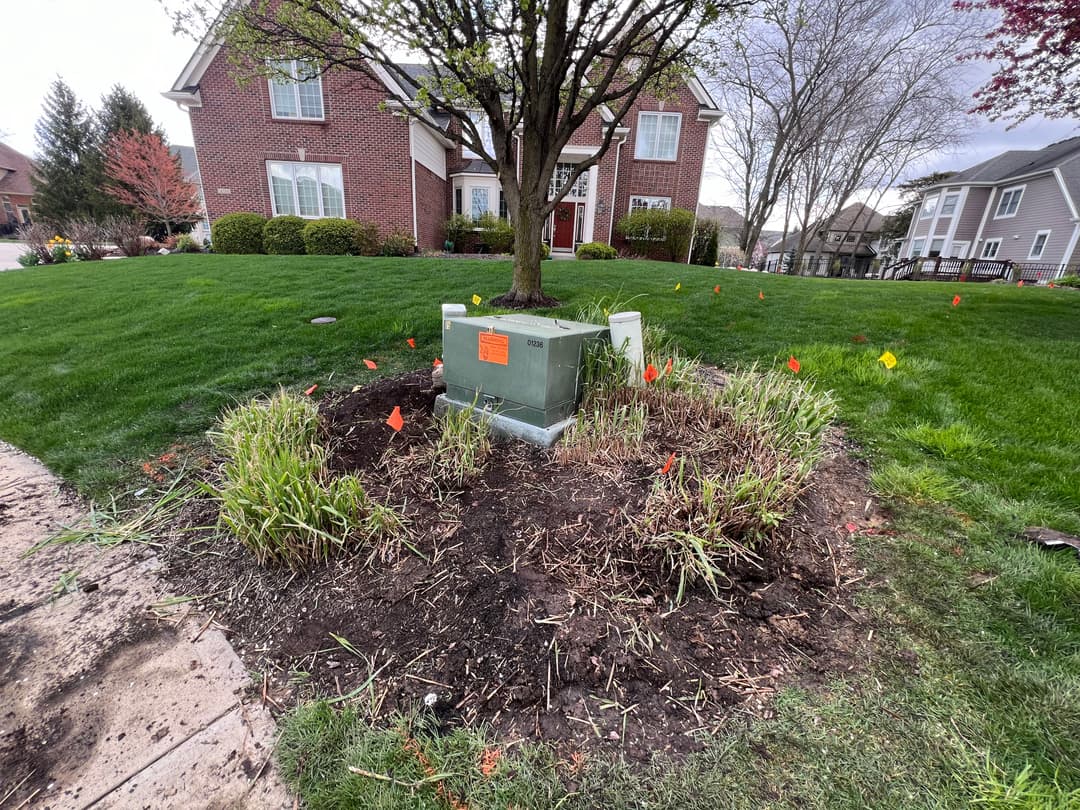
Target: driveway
{"x":9,"y":254}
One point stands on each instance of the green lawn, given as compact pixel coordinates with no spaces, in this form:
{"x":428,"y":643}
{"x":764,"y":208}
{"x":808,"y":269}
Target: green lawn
{"x":105,"y":365}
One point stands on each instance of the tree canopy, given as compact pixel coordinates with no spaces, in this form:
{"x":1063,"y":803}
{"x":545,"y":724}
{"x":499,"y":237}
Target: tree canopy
{"x":1036,"y":44}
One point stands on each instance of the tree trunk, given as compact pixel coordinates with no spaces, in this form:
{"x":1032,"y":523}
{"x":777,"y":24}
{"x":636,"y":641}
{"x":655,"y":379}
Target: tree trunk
{"x":526,"y":290}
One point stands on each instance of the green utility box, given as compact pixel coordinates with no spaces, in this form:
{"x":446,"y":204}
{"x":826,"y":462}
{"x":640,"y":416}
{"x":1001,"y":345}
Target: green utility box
{"x":523,"y":367}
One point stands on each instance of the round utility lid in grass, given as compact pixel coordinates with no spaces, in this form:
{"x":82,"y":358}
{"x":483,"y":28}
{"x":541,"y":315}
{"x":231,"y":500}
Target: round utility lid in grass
{"x":324,"y":320}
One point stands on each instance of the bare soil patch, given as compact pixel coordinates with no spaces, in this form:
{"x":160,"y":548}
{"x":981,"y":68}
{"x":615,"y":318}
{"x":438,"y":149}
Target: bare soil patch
{"x":492,"y":609}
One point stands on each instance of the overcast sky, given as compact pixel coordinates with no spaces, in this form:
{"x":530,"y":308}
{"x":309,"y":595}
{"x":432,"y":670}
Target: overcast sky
{"x":130,"y":42}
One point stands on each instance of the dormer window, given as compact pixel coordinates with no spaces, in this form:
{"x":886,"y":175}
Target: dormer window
{"x":483,"y":126}
{"x":296,"y":90}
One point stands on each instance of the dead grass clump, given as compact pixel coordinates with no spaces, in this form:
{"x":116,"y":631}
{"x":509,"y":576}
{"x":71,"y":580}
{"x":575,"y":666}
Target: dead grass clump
{"x":727,"y":465}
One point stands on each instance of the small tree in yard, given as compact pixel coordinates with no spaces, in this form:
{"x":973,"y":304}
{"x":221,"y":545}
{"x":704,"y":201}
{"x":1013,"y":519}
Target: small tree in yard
{"x":144,"y":175}
{"x":517,"y":77}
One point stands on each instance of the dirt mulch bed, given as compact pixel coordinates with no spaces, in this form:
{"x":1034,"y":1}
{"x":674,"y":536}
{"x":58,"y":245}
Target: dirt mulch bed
{"x":485,"y":614}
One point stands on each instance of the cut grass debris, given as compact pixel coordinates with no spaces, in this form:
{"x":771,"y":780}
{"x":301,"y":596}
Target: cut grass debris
{"x":277,"y":496}
{"x":112,"y":525}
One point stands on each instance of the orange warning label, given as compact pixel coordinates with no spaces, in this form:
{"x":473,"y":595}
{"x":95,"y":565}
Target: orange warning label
{"x":494,"y":348}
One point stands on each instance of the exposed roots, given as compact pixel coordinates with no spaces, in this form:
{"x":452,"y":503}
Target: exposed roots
{"x":516,"y":299}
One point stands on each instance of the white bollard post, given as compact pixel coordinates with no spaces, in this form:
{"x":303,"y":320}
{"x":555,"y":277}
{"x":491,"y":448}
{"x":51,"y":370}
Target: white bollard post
{"x":453,"y":311}
{"x":626,"y":338}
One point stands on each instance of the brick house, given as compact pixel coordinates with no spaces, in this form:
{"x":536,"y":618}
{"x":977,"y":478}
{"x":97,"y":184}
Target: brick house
{"x":16,"y":189}
{"x":331,"y":145}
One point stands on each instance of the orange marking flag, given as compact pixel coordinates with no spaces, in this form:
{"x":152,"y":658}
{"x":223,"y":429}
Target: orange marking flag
{"x":794,"y":364}
{"x":667,"y":368}
{"x":1020,"y":283}
{"x":851,"y":527}
{"x":956,"y":300}
{"x":667,"y":465}
{"x":310,"y":391}
{"x":437,"y":362}
{"x":651,"y":373}
{"x":411,"y":342}
{"x":761,"y":295}
{"x":370,"y":364}
{"x":395,"y":421}
{"x":716,"y":289}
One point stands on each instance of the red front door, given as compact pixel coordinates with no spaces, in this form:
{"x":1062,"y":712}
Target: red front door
{"x":563,"y":236}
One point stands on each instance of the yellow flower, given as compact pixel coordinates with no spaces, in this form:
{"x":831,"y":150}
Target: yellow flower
{"x":56,"y":238}
{"x":67,"y":252}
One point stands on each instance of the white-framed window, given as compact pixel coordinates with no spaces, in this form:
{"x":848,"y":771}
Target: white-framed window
{"x":640,"y":203}
{"x":1039,"y":245}
{"x":1009,"y":202}
{"x":561,"y":176}
{"x":917,"y":247}
{"x":657,"y":136}
{"x":310,"y":190}
{"x":929,"y":206}
{"x":935,"y":247}
{"x":480,"y":201}
{"x":483,"y":126}
{"x":296,"y":90}
{"x":948,"y":204}
{"x":476,"y":195}
{"x":990,"y":249}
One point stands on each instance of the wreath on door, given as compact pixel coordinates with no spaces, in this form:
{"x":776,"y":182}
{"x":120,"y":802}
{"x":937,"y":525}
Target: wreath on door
{"x":562,"y":214}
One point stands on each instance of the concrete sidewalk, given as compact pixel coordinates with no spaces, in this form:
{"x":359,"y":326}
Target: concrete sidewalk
{"x":110,"y":697}
{"x":9,"y":260}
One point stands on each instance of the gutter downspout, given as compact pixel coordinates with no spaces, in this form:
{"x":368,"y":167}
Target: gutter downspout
{"x":412,"y":171}
{"x":615,"y":184}
{"x":701,"y":181}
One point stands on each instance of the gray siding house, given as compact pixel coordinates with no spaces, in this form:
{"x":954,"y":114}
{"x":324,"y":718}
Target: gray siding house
{"x":1019,"y":207}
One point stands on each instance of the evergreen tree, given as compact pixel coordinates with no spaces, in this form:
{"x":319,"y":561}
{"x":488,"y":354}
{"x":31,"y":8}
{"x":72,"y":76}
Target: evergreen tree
{"x":121,"y":110}
{"x":67,"y":141}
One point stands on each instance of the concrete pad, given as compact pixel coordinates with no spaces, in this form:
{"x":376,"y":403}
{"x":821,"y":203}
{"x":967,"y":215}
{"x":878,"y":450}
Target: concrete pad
{"x":506,"y":426}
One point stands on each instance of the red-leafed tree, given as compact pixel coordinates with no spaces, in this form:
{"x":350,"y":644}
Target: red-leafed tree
{"x":1038,"y":44}
{"x":144,"y":175}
